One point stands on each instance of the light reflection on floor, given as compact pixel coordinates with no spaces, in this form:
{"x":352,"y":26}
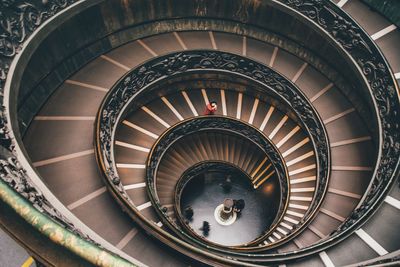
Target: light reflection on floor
{"x":204,"y":193}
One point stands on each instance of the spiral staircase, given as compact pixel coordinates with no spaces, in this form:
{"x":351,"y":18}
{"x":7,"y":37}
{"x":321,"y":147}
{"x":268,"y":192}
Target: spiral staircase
{"x":104,"y":126}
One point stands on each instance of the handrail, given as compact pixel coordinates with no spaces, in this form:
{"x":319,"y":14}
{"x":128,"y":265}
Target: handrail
{"x":26,"y":22}
{"x":188,"y":175}
{"x":356,"y":45}
{"x":58,"y":234}
{"x":203,"y":123}
{"x":141,"y":80}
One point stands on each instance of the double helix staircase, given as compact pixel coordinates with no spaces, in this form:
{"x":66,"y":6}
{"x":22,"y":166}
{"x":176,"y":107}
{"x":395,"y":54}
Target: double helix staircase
{"x":60,"y":140}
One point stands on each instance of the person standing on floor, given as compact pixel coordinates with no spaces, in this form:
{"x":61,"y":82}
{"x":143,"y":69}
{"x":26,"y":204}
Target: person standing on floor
{"x":238,"y":205}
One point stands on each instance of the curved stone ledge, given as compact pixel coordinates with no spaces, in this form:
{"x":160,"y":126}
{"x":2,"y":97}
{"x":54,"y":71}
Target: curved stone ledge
{"x":223,"y":124}
{"x":141,"y":79}
{"x":348,"y":38}
{"x":88,"y":251}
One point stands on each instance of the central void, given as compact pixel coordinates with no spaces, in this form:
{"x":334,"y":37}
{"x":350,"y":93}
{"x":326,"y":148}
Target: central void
{"x":207,"y":190}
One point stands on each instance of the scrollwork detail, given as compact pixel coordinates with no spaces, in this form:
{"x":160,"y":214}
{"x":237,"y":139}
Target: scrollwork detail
{"x":181,"y":62}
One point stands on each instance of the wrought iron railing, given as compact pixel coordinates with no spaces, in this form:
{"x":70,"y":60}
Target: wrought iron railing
{"x":323,"y":16}
{"x":143,"y":78}
{"x":193,"y":172}
{"x":216,"y":124}
{"x":19,"y":20}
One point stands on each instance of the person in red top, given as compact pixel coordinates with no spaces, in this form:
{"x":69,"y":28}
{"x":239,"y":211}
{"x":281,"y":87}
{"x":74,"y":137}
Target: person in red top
{"x":211,"y":108}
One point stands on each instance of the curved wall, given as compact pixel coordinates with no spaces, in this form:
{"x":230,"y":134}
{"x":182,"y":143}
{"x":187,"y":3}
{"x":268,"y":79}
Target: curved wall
{"x":99,"y":28}
{"x":66,"y":56}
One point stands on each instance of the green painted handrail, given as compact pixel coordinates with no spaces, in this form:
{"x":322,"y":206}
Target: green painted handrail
{"x":57,"y":233}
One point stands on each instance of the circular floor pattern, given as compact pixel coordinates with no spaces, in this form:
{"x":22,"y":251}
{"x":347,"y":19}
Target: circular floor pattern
{"x":207,"y":191}
{"x":231,"y":220}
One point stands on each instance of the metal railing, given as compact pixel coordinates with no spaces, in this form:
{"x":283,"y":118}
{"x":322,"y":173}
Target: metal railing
{"x":219,"y":124}
{"x":323,"y":16}
{"x":143,"y":78}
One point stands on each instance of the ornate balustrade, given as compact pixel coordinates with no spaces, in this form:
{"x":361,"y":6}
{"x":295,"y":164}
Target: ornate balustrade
{"x":156,"y":71}
{"x":199,"y":169}
{"x":21,"y":18}
{"x":220,"y":124}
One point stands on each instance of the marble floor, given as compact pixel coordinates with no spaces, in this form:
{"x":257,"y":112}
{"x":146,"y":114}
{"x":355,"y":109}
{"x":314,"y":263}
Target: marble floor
{"x":206,"y":191}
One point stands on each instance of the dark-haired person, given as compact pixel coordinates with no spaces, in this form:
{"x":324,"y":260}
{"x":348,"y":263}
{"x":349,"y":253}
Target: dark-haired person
{"x":211,"y":108}
{"x":238,"y":205}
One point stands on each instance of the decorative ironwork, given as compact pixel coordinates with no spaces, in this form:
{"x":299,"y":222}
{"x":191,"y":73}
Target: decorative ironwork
{"x":16,"y":177}
{"x":178,"y":63}
{"x":18,"y":20}
{"x":383,"y":91}
{"x":192,"y":172}
{"x":181,"y":63}
{"x":214,"y":123}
